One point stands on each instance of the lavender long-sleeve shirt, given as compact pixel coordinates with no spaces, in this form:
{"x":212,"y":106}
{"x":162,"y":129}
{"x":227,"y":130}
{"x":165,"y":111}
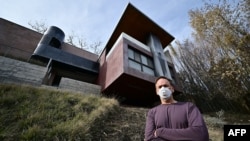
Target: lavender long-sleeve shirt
{"x":177,"y":121}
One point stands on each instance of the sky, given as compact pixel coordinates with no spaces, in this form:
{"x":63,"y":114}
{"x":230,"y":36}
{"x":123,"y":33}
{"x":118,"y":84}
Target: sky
{"x":95,"y":20}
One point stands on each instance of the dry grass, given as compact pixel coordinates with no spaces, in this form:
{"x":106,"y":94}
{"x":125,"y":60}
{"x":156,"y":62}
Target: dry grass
{"x":128,"y":125}
{"x":216,"y":134}
{"x":29,"y":113}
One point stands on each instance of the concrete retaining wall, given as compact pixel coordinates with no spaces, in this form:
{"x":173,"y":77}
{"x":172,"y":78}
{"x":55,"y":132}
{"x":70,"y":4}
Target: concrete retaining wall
{"x":15,"y":71}
{"x":80,"y":86}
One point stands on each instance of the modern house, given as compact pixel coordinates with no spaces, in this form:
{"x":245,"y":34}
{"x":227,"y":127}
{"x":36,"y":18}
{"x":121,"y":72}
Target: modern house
{"x":126,"y":69}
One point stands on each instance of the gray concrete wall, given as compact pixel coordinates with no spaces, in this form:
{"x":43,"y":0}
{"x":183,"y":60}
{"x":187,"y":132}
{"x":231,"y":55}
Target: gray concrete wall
{"x":14,"y":71}
{"x":79,"y":86}
{"x":18,"y":72}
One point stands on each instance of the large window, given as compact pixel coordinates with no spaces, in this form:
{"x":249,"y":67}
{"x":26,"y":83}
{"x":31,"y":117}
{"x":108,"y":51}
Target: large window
{"x":140,"y":61}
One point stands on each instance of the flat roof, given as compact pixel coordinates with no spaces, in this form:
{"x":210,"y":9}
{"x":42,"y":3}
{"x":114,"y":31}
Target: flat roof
{"x":134,"y":23}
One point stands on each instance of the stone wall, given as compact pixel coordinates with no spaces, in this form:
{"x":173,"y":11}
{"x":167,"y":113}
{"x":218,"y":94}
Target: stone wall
{"x":19,"y":72}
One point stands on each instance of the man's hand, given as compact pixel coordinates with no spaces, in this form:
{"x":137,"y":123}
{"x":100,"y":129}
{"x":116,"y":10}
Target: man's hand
{"x":155,"y":134}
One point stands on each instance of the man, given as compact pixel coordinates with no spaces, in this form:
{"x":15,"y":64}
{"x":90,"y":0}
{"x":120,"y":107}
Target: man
{"x":173,"y":120}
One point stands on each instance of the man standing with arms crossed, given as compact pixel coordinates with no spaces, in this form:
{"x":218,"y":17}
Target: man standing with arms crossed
{"x":173,"y":120}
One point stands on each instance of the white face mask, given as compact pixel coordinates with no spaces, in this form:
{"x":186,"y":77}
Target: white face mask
{"x":164,"y":92}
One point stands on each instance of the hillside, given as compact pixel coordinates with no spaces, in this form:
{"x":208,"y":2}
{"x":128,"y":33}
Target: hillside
{"x":31,"y":113}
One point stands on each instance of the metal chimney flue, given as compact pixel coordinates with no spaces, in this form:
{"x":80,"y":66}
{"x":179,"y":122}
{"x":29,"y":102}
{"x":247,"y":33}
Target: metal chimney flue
{"x":53,"y":37}
{"x":51,"y":41}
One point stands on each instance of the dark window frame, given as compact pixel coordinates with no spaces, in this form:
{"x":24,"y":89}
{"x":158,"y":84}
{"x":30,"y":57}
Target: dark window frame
{"x":149,"y":65}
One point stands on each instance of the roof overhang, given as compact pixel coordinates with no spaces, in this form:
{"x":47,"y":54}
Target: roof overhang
{"x":139,"y":26}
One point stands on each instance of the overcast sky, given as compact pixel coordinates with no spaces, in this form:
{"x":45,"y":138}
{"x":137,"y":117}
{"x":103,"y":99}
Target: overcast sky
{"x":95,"y":20}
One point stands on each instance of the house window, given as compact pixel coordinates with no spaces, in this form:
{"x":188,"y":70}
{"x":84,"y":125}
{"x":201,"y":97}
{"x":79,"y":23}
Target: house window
{"x":55,"y":43}
{"x":140,"y":61}
{"x":171,"y":69}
